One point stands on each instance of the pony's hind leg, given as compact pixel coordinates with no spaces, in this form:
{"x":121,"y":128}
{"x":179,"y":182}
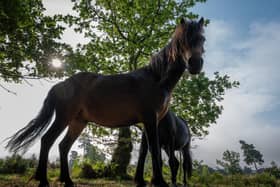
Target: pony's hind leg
{"x":139,"y":179}
{"x":74,"y":130}
{"x":173,"y":163}
{"x":187,"y":162}
{"x":46,"y":142}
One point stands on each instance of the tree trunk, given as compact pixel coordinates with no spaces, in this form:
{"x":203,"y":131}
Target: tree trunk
{"x":256,"y":167}
{"x":122,"y":153}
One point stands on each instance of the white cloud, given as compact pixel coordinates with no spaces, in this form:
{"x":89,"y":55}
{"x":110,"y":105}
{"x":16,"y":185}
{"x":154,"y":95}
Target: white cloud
{"x":64,"y":7}
{"x":254,"y":62}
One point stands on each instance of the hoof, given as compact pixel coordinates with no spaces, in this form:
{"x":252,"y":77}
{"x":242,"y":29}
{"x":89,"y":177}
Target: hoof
{"x":161,"y":183}
{"x":44,"y":184}
{"x":69,"y":185}
{"x":67,"y":181}
{"x":140,"y":183}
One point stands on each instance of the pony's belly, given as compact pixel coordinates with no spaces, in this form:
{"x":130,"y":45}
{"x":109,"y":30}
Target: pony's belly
{"x":111,"y":116}
{"x":112,"y":121}
{"x":182,"y":137}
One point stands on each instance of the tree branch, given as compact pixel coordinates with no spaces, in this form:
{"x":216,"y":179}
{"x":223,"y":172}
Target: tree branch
{"x":114,"y":22}
{"x":8,"y":90}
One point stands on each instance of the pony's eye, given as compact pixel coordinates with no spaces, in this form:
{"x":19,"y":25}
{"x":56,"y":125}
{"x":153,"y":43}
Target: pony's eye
{"x":197,"y":41}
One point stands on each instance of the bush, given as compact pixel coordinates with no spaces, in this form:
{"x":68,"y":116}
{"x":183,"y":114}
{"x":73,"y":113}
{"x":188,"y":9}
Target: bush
{"x":87,"y":171}
{"x":98,"y":170}
{"x":110,"y":171}
{"x":13,"y":165}
{"x":216,"y":178}
{"x":275,"y":171}
{"x":266,"y":179}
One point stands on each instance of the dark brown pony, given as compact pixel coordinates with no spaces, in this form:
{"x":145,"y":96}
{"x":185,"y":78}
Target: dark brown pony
{"x":114,"y":101}
{"x":174,"y":134}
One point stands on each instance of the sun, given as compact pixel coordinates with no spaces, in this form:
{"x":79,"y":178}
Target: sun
{"x":56,"y":63}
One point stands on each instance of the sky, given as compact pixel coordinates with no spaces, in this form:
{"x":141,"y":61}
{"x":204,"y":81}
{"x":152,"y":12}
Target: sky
{"x":242,"y":41}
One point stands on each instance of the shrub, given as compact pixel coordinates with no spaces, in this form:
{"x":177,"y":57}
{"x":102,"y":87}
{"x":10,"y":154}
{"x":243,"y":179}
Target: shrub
{"x":99,"y":170}
{"x":266,"y":179}
{"x":275,"y":171}
{"x":216,"y":178}
{"x":13,"y":165}
{"x":87,"y":171}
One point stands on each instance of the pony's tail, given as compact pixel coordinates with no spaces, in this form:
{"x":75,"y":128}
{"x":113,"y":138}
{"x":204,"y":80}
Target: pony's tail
{"x":25,"y":137}
{"x":189,"y":161}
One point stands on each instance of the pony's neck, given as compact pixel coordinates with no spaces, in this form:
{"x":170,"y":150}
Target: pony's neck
{"x":166,"y":70}
{"x":173,"y":74}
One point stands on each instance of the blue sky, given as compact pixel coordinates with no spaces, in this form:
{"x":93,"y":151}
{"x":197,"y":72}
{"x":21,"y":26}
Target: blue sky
{"x":240,"y":12}
{"x":243,"y":40}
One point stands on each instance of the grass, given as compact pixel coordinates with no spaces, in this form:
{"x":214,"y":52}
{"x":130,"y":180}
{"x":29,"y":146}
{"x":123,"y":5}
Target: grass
{"x":22,"y":181}
{"x":13,"y":180}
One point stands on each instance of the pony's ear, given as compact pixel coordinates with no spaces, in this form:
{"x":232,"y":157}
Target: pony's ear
{"x":183,"y":21}
{"x":201,"y":22}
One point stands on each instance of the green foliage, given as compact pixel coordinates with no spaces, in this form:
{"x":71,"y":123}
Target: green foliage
{"x":235,"y":180}
{"x":124,"y":145}
{"x":251,"y":155}
{"x":13,"y":164}
{"x":197,"y":99}
{"x":273,"y":170}
{"x":205,"y":175}
{"x":265,"y":179}
{"x":91,"y":152}
{"x":28,"y":40}
{"x":73,"y":157}
{"x":247,"y":170}
{"x":230,"y":162}
{"x":98,"y":170}
{"x":124,"y":34}
{"x":87,"y":171}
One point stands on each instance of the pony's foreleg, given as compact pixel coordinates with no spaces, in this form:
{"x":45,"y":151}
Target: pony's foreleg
{"x":74,"y":130}
{"x":139,"y":179}
{"x":46,"y":142}
{"x":151,"y":130}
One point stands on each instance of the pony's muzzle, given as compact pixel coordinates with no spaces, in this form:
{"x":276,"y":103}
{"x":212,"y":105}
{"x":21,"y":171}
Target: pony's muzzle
{"x":195,"y":65}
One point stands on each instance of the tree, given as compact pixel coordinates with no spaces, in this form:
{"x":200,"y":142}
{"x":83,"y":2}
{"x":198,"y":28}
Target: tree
{"x":90,"y":152}
{"x":273,"y":170}
{"x":73,"y":158}
{"x":95,"y":155}
{"x":197,"y":99}
{"x":124,"y":145}
{"x":247,"y":170}
{"x":123,"y":36}
{"x":251,"y":155}
{"x":230,"y":162}
{"x":28,"y":41}
{"x":85,"y":142}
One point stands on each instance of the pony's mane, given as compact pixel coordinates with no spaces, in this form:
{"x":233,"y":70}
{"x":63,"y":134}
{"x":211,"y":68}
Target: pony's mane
{"x":159,"y":62}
